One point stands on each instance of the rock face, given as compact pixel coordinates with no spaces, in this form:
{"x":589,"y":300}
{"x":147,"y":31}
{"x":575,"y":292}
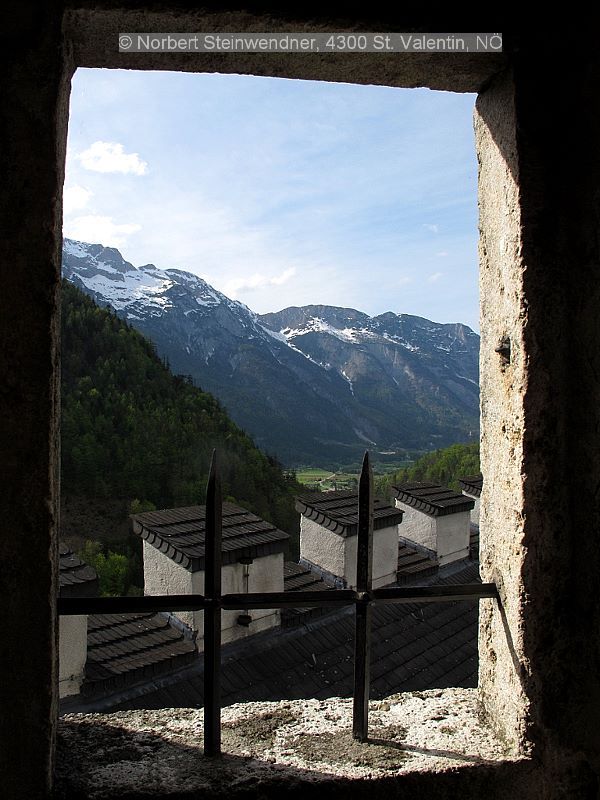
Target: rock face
{"x":414,"y":380}
{"x":313,"y":384}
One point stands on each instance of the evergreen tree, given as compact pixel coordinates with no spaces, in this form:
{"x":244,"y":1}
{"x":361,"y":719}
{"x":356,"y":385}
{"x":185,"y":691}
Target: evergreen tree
{"x":133,"y":430}
{"x":441,"y":466}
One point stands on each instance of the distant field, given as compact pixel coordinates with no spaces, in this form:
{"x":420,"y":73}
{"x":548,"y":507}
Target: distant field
{"x":310,"y":474}
{"x":315,"y":478}
{"x":313,"y":475}
{"x":392,"y":466}
{"x":324,"y":480}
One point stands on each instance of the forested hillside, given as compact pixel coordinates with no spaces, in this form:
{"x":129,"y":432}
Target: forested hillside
{"x":442,"y":466}
{"x":133,"y":433}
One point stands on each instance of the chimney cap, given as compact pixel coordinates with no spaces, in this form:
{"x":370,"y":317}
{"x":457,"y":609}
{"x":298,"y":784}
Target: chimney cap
{"x":472,"y":484}
{"x":76,"y":578}
{"x":180,"y":534}
{"x":338,"y":511}
{"x":432,"y":498}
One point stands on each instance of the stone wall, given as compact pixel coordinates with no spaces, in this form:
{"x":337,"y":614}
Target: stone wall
{"x":424,"y":745}
{"x":34,"y":74}
{"x":537,"y":129}
{"x":502,"y":422}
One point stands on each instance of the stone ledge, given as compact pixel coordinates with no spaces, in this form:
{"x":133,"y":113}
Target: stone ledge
{"x":296,"y":746}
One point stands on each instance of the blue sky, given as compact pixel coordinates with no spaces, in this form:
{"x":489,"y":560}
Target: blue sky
{"x":281,"y":192}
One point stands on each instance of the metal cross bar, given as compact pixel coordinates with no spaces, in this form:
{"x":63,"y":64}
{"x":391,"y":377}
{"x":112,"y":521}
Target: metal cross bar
{"x":333,"y":598}
{"x":212,"y":602}
{"x":68,"y":606}
{"x":212,"y":613}
{"x":433,"y":594}
{"x":363,"y":611}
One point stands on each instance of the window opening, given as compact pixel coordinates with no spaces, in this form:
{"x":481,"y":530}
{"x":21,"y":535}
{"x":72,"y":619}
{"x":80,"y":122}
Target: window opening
{"x":212,"y":603}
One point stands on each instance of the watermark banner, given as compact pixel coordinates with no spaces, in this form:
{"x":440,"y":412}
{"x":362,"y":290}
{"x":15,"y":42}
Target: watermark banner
{"x":310,"y":42}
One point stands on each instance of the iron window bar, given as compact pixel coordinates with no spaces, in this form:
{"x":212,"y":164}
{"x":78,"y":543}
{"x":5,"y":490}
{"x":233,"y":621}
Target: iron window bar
{"x":212,"y":603}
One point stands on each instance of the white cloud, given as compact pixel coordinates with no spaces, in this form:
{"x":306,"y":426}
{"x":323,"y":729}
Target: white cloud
{"x":279,"y":280}
{"x":111,"y":157}
{"x":234,"y":286}
{"x":435,"y":277}
{"x":442,"y":254}
{"x":75,"y":198}
{"x":235,"y":202}
{"x":97,"y":229}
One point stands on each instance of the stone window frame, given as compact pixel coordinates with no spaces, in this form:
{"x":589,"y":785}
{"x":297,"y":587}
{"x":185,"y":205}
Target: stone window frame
{"x":528,"y":233}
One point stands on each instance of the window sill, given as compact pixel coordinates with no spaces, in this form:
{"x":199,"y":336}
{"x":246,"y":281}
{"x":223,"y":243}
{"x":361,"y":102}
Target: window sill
{"x":416,"y":737}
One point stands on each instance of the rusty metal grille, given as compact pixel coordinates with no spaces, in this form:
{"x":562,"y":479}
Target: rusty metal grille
{"x":213,"y":602}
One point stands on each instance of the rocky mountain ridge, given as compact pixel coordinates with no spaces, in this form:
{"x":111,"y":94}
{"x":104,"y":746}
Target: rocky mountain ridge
{"x":312,"y":384}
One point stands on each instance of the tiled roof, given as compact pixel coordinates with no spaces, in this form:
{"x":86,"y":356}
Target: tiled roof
{"x":338,"y":511}
{"x":124,"y":649}
{"x":472,"y":484}
{"x":180,"y":534}
{"x":413,"y":563}
{"x":298,"y":578}
{"x":431,"y":498}
{"x":76,"y":579}
{"x":414,"y":647}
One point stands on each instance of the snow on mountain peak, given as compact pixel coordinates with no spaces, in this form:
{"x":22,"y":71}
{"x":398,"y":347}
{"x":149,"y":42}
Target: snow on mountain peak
{"x":365,"y":329}
{"x":317,"y":324}
{"x":104,"y":272}
{"x":74,"y":248}
{"x":308,"y":380}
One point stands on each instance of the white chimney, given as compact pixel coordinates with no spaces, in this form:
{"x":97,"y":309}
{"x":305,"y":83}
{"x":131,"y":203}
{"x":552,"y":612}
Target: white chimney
{"x":72,"y":654}
{"x":471,"y":487}
{"x":252,"y":554}
{"x":328,"y":538}
{"x":435,"y":518}
{"x":76,"y":579}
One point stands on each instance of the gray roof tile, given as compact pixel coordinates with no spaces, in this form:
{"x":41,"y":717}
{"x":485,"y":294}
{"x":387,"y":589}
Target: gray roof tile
{"x":299,"y":578}
{"x":76,"y":579}
{"x":413,"y":563}
{"x":125,"y":649}
{"x":414,"y":647}
{"x":338,"y":511}
{"x":472,"y":484}
{"x":431,"y":498}
{"x":180,"y":534}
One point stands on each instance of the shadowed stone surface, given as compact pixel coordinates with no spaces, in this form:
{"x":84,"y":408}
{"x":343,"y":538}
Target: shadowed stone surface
{"x":303,"y":742}
{"x":538,"y":131}
{"x":536,"y":128}
{"x":34,"y":76}
{"x":94,"y":32}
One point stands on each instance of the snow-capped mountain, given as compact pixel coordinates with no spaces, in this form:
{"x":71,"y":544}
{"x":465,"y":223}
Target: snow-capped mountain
{"x":311,"y":384}
{"x":103,"y":273}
